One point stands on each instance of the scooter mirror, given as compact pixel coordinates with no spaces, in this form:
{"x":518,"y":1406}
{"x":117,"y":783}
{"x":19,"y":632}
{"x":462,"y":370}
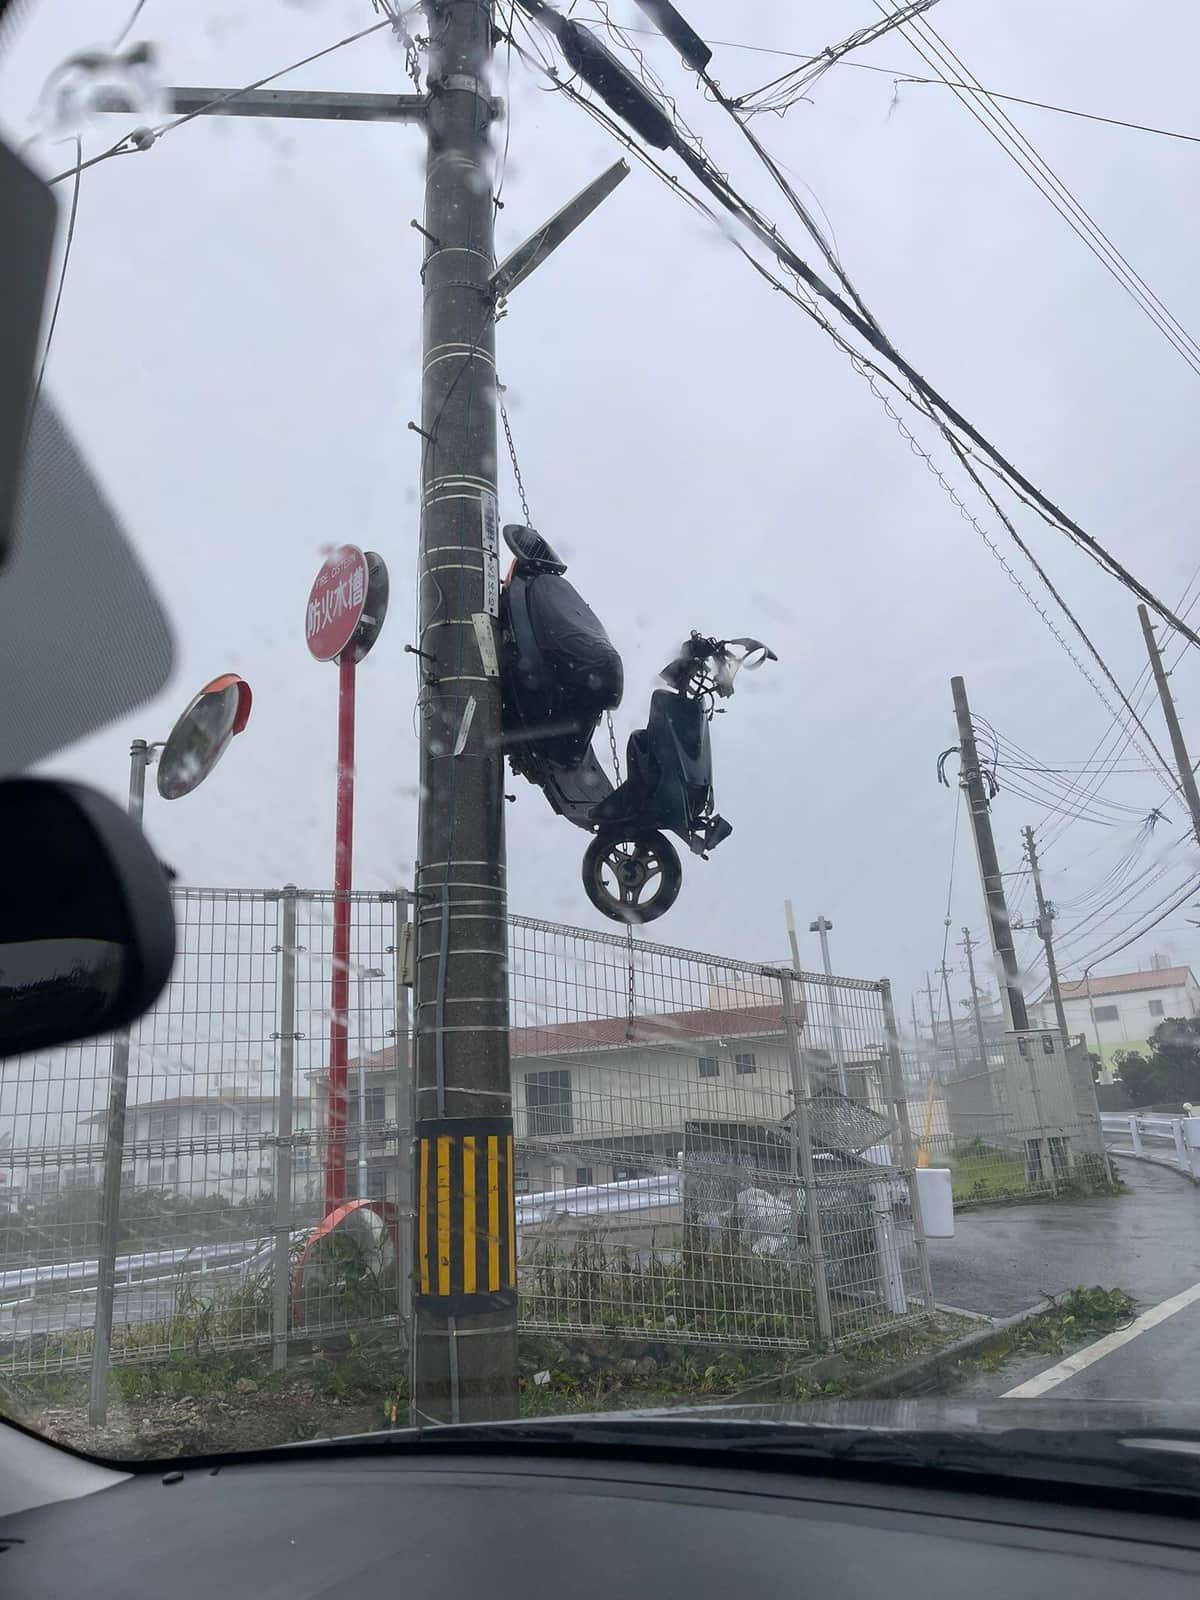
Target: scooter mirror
{"x":531,"y":549}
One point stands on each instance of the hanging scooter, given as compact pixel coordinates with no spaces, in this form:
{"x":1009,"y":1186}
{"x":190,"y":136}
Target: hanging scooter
{"x":559,"y":674}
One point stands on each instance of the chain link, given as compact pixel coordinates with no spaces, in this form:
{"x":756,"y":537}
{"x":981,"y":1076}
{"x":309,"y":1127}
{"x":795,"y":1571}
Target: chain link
{"x":631,"y":984}
{"x":612,"y":745}
{"x":512,"y":454}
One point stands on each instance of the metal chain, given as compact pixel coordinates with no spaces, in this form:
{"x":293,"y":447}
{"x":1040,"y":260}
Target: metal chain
{"x":631,"y":986}
{"x":631,"y":980}
{"x":512,"y":453}
{"x":612,"y":745}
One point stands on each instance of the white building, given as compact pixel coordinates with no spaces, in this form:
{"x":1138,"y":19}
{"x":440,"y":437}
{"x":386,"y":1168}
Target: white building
{"x":1122,"y":1010}
{"x":218,"y":1144}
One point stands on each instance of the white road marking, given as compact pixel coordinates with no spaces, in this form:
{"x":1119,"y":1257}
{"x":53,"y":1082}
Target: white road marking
{"x":1082,"y":1359}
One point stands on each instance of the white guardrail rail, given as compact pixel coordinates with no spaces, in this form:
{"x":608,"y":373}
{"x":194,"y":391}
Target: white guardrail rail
{"x":1171,"y":1141}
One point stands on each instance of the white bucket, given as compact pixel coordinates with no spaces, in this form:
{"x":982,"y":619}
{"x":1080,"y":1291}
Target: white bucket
{"x":937,"y":1201}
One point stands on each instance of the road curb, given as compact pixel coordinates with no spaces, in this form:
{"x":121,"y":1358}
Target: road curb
{"x":1153,"y":1161}
{"x":926,"y":1369}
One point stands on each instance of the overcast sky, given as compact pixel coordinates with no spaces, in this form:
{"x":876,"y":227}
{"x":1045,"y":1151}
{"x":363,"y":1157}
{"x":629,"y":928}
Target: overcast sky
{"x":238,"y":355}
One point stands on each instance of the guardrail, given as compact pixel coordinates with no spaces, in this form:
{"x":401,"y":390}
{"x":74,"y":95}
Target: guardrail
{"x":1169,"y":1141}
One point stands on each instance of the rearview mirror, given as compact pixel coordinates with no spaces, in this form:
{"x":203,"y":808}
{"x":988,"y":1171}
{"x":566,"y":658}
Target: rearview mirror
{"x":87,"y":931}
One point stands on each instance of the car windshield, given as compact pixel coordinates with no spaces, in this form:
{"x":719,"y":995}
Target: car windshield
{"x":659,"y":660}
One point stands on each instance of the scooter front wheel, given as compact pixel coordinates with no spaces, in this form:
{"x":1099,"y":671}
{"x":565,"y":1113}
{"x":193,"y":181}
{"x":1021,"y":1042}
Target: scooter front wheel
{"x":632,"y":880}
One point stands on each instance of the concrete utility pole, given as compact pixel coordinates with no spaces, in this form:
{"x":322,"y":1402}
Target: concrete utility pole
{"x":465,"y":1302}
{"x":933,"y":1028}
{"x":1044,"y":927}
{"x":822,"y":926}
{"x":971,"y":779}
{"x":945,"y":972}
{"x":1187,"y":778}
{"x":465,"y":1350}
{"x":968,"y":945}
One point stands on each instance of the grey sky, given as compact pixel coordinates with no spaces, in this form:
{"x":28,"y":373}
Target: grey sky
{"x":238,"y":355}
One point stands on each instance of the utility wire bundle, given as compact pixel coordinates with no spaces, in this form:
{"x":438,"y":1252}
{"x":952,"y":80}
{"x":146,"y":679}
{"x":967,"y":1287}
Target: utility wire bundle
{"x":631,"y":100}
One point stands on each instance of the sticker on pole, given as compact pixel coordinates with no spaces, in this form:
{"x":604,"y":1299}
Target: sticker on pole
{"x":489,"y":522}
{"x":336,"y":603}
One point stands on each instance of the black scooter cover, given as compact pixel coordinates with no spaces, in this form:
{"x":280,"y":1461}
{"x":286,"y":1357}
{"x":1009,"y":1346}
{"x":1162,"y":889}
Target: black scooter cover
{"x":572,"y":639}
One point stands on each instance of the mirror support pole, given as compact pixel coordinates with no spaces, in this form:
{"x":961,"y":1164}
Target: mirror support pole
{"x":114,"y":1155}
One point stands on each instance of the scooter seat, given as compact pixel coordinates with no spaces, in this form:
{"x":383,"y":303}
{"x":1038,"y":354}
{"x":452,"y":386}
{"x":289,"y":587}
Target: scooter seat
{"x":580,"y":658}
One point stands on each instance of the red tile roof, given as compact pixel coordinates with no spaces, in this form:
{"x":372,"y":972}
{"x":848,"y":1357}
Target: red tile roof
{"x":1126,"y":983}
{"x":613,"y":1033}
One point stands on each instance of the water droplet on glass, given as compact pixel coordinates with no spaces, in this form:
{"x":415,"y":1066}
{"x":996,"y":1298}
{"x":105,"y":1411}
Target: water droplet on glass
{"x":96,"y":81}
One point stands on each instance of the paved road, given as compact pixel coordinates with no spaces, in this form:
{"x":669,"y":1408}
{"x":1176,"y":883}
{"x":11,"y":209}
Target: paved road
{"x":1146,"y":1241}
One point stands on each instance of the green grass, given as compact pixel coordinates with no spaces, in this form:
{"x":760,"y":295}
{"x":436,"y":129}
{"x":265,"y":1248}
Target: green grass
{"x":978,"y":1173}
{"x":1073,"y":1319}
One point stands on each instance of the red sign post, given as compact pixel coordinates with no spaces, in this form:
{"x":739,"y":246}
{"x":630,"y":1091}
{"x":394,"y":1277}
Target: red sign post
{"x":346,"y":606}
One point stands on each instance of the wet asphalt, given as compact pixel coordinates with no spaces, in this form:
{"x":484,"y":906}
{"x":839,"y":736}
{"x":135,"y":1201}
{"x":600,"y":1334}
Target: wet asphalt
{"x":1147,"y":1241}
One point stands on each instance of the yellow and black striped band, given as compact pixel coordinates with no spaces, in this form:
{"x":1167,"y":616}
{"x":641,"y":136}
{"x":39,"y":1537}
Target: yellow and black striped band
{"x":466,"y":1216}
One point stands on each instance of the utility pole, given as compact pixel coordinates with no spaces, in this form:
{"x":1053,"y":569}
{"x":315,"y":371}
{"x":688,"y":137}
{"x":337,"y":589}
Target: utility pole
{"x":1187,"y":778}
{"x":945,"y":971}
{"x":971,"y":779}
{"x":822,"y":926}
{"x":933,"y":1028}
{"x":916,"y":1027}
{"x":1044,"y":927}
{"x":464,"y":1359}
{"x":968,"y":945}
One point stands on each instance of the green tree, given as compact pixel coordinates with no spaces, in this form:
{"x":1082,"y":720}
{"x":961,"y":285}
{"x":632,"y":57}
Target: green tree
{"x":1171,"y":1073}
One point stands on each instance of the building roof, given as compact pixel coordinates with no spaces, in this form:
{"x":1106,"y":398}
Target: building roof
{"x":179,"y":1101}
{"x":704,"y":1025}
{"x":1125,"y":983}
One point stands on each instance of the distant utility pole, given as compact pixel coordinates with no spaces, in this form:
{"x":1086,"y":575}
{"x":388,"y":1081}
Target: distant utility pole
{"x":1187,"y":778}
{"x":1045,"y":923}
{"x":932,"y":1013}
{"x":823,"y":927}
{"x":968,"y":945}
{"x":945,"y":971}
{"x":971,"y":779}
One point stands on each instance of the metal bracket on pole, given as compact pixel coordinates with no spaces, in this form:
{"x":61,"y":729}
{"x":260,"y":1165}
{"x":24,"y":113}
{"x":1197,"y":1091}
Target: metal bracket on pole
{"x":320,"y":103}
{"x":517,"y":266}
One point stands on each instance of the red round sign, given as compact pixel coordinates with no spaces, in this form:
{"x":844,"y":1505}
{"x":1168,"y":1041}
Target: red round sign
{"x":336,"y":602}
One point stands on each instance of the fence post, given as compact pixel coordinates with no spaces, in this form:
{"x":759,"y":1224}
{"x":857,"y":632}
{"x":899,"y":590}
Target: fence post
{"x":1135,"y":1135}
{"x":1180,"y":1148}
{"x":405,"y":1120}
{"x":802,"y":1134}
{"x":281,"y":1280}
{"x":110,"y":1227}
{"x":895,"y":1077}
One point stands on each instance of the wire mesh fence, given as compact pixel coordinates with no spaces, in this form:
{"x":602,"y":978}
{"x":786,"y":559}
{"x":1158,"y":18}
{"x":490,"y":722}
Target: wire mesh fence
{"x":1023,"y":1123}
{"x":704,"y":1153}
{"x":707,"y":1150}
{"x":224,"y":1144}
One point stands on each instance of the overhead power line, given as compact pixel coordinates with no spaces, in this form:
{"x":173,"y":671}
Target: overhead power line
{"x":900,"y":75}
{"x":938,"y":55}
{"x":789,"y":87}
{"x":862,"y":364}
{"x":62,"y":274}
{"x":144,"y":138}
